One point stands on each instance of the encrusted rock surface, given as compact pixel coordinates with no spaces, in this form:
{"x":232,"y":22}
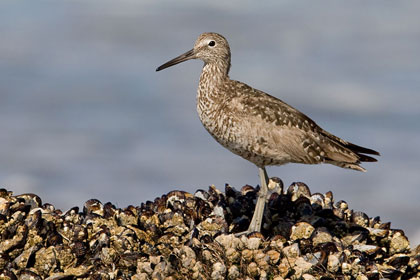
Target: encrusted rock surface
{"x":186,"y":236}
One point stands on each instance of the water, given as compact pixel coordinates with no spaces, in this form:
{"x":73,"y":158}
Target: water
{"x":83,"y":114}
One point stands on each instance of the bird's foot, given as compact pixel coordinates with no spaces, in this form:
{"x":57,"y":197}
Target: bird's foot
{"x":275,"y":185}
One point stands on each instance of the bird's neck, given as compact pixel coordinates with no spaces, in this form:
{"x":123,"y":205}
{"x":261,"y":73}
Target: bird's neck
{"x":213,"y":75}
{"x":211,"y":88}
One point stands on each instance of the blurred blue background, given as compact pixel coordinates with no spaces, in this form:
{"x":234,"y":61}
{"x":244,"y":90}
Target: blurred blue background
{"x":83,"y":114}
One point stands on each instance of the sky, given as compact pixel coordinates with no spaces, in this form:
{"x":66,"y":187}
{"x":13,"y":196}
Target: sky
{"x":83,"y":114}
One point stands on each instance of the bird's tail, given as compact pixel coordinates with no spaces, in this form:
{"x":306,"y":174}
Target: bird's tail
{"x":354,"y":166}
{"x":351,"y":156}
{"x":361,"y":151}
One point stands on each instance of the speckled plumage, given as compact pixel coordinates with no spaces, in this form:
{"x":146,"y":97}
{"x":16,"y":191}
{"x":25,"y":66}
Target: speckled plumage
{"x":258,"y":126}
{"x":255,"y":125}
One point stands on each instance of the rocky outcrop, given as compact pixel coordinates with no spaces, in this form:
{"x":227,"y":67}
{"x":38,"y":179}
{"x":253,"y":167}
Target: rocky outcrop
{"x":192,"y":236}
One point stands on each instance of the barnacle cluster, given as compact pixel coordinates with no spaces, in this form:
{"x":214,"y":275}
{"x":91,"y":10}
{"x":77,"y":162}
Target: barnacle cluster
{"x":192,"y":236}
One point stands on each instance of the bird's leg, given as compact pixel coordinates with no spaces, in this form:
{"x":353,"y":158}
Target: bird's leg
{"x":257,"y":218}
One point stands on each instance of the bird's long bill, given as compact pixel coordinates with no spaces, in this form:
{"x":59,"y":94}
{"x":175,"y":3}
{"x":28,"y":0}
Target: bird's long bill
{"x":183,"y":57}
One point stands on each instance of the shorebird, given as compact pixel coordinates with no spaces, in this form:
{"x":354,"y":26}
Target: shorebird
{"x":257,"y":126}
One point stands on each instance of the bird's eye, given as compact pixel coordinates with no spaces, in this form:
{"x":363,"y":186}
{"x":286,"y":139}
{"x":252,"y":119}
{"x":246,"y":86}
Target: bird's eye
{"x":212,"y":43}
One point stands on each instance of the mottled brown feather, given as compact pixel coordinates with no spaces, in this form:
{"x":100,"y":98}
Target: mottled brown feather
{"x":256,"y":125}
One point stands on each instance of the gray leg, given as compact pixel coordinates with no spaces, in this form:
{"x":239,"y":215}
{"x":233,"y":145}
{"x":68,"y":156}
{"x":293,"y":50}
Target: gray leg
{"x":257,"y":218}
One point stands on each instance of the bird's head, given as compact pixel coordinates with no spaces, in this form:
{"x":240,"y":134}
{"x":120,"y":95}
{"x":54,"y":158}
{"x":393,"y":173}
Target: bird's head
{"x":209,"y":47}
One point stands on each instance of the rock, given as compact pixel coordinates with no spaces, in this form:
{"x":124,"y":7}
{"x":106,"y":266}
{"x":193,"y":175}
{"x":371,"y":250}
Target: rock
{"x":219,"y":271}
{"x":399,"y":243}
{"x":185,"y":236}
{"x":253,"y":270}
{"x":274,"y":256}
{"x":301,"y":230}
{"x":233,"y":255}
{"x":253,"y":243}
{"x":333,"y":263}
{"x":233,"y":272}
{"x":308,"y":277}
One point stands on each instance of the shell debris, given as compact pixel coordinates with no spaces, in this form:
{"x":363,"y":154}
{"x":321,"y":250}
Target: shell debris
{"x":184,"y":236}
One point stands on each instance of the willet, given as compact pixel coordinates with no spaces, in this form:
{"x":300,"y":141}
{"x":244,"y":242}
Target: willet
{"x":257,"y":126}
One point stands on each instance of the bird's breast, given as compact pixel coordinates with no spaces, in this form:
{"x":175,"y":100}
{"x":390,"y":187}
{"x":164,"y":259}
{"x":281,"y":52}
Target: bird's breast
{"x":225,"y":129}
{"x":216,"y":118}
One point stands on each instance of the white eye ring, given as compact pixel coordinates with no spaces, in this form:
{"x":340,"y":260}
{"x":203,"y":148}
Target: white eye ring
{"x":212,"y":43}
